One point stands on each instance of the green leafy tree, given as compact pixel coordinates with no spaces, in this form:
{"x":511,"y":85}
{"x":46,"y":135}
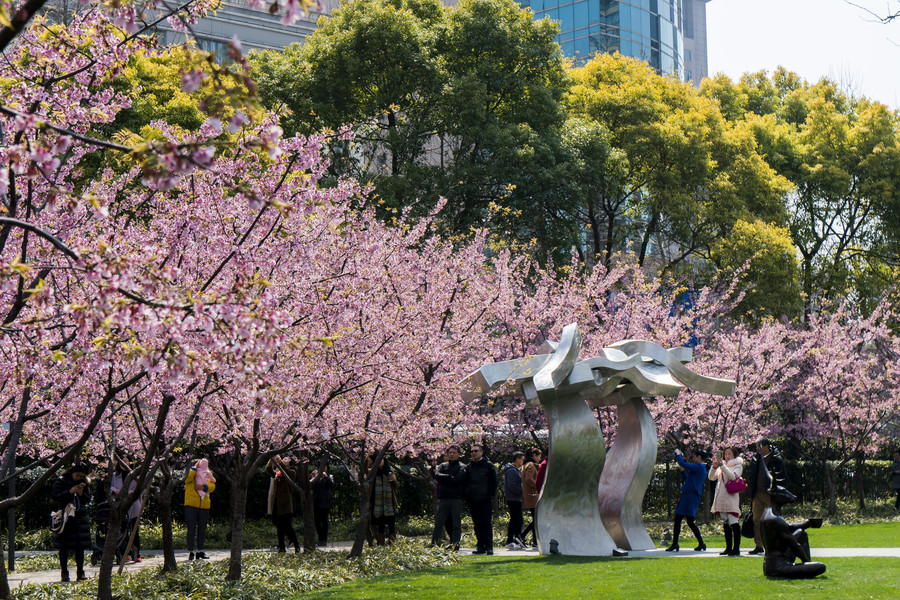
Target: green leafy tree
{"x":842,"y":156}
{"x":764,"y":257}
{"x":683,"y":175}
{"x":461,"y":102}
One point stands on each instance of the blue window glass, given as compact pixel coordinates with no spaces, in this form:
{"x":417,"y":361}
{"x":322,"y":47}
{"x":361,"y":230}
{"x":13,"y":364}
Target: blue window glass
{"x":582,"y":48}
{"x":567,"y":16}
{"x":625,"y":17}
{"x":553,"y":13}
{"x":668,"y":63}
{"x":568,"y":48}
{"x":593,"y":12}
{"x":644,"y":19}
{"x":537,"y":5}
{"x":581,"y":14}
{"x":667,"y":34}
{"x":626,"y":48}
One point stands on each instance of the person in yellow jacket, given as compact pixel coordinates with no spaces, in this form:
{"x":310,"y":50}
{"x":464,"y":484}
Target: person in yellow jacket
{"x":198,"y":485}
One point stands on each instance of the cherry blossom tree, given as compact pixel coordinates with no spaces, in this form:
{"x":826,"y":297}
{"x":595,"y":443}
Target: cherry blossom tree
{"x":843,"y":392}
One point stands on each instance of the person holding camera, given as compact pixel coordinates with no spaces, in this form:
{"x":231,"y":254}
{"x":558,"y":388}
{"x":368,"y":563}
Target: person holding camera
{"x":693,"y":475}
{"x":280,"y":505}
{"x":727,"y":504}
{"x":73,"y":487}
{"x":198,"y":485}
{"x":759,"y":498}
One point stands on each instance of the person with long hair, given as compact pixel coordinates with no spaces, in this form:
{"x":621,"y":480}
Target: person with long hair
{"x":198,"y":485}
{"x":530,"y":492}
{"x":73,"y":487}
{"x":693,"y":474}
{"x":280,"y":505}
{"x":727,"y":505}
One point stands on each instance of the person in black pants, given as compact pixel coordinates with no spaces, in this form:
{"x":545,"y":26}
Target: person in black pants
{"x":481,"y":492}
{"x":512,"y":491}
{"x":73,"y":487}
{"x":451,"y":480}
{"x":323,"y":494}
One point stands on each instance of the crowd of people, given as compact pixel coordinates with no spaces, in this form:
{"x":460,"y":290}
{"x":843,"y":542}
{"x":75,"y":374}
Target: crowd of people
{"x":72,"y":495}
{"x":473,"y":486}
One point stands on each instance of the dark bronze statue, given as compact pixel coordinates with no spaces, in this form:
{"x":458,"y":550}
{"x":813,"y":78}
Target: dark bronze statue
{"x":785,"y":542}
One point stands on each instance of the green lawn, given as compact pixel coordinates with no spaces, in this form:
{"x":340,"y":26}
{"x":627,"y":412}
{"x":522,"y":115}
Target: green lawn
{"x":577,"y":578}
{"x":866,"y":535}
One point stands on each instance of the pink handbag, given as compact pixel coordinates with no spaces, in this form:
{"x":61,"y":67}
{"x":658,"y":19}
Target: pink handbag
{"x":737,"y":486}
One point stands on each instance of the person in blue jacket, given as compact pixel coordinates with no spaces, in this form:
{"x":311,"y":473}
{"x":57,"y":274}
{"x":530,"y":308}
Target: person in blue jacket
{"x":694,"y":476}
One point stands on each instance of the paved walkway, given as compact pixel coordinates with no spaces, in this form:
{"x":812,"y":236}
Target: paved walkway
{"x":17,"y":579}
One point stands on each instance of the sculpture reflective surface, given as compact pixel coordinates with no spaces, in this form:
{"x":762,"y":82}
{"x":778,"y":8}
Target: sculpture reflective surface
{"x":591,"y":500}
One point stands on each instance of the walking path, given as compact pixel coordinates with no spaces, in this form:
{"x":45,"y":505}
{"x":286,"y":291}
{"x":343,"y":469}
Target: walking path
{"x":17,"y":579}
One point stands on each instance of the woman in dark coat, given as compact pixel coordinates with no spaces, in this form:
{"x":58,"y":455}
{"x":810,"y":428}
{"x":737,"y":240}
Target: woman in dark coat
{"x":73,"y":487}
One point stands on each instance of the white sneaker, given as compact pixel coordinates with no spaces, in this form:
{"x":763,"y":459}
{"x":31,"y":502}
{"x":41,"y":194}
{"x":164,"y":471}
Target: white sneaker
{"x":512,"y":546}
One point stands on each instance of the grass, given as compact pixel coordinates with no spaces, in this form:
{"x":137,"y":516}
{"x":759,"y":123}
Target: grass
{"x":575,"y":578}
{"x":865,"y":535}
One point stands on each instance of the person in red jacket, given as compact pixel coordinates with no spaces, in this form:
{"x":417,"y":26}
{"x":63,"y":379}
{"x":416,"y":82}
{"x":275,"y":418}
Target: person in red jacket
{"x":542,"y":472}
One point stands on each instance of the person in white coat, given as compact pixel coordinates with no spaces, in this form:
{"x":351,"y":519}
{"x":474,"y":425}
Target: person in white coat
{"x":727,"y":505}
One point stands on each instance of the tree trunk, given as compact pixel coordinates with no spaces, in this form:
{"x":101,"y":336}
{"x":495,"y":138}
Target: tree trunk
{"x":829,"y":489}
{"x":104,"y":576}
{"x":860,"y":480}
{"x":238,"y":509}
{"x":364,"y":517}
{"x":306,"y":505}
{"x":648,"y":235}
{"x":5,"y":592}
{"x":166,"y":490}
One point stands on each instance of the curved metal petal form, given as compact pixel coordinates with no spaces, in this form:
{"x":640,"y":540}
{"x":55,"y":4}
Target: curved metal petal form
{"x":557,"y":369}
{"x":695,"y":381}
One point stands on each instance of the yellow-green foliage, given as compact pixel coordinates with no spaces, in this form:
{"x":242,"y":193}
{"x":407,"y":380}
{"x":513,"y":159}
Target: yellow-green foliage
{"x":773,"y":269}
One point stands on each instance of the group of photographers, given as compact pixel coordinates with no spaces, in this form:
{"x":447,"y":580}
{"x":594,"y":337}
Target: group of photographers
{"x":732,"y":476}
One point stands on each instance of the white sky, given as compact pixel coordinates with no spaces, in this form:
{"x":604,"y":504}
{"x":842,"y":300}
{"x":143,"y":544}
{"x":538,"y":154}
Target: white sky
{"x":815,"y":38}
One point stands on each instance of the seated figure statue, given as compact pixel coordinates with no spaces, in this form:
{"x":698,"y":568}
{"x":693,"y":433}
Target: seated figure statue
{"x":785,"y":542}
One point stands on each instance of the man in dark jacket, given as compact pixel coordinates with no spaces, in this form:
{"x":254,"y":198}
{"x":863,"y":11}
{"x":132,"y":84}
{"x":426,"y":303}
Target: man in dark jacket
{"x":451,"y":480}
{"x":481,"y":491}
{"x":759,"y":498}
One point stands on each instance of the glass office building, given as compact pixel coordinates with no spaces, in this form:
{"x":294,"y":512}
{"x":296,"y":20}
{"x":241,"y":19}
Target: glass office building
{"x":652,"y":30}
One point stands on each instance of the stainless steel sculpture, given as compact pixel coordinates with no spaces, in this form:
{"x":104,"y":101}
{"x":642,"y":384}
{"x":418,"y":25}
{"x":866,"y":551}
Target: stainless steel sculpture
{"x":591,"y":501}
